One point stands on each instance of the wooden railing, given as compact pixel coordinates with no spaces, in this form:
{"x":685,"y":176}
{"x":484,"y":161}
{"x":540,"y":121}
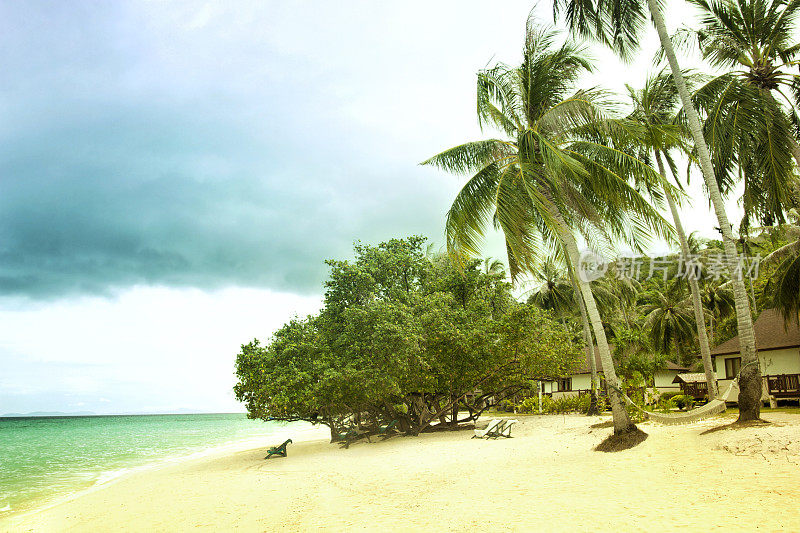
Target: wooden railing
{"x":784,"y":385}
{"x":695,"y":389}
{"x":581,"y":392}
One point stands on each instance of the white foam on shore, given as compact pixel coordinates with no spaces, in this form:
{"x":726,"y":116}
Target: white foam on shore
{"x":296,"y":434}
{"x":250,"y":443}
{"x":105,"y":478}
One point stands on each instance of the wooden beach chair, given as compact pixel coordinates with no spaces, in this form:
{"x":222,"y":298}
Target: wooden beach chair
{"x":280,"y":451}
{"x":384,"y":432}
{"x":506,"y":431}
{"x":349,"y":437}
{"x":481,"y":433}
{"x":497,"y":431}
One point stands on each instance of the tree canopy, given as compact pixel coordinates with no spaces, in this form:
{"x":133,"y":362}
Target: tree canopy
{"x":403,"y":336}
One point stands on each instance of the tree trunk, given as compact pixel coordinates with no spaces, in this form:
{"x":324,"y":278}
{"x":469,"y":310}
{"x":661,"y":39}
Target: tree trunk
{"x":795,"y":150}
{"x":622,"y":422}
{"x":750,"y":373}
{"x":587,"y":341}
{"x":753,"y":295}
{"x":711,"y":329}
{"x":702,"y":336}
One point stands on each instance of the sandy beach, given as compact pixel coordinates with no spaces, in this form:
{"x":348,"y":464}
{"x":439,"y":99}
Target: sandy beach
{"x":547,"y":477}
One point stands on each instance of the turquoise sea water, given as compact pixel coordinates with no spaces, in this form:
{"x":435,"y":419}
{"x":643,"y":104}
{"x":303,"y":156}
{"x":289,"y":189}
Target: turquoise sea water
{"x":43,"y":458}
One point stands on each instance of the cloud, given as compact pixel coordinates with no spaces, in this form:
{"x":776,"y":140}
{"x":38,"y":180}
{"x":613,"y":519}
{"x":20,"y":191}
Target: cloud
{"x":211,"y":145}
{"x":129,"y":354}
{"x":190,"y":146}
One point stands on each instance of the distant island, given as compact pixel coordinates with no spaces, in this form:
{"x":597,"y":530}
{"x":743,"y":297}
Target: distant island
{"x":179,"y":411}
{"x":48,"y":413}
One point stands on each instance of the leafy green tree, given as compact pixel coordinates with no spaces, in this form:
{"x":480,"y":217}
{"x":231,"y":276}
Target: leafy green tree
{"x":670,"y":321}
{"x":405,"y":337}
{"x":552,"y":175}
{"x":636,"y":355}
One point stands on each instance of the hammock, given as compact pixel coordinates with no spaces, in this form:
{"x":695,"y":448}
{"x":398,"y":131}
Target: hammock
{"x":714,"y":407}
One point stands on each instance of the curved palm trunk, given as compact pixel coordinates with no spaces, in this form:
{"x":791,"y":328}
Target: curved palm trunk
{"x":622,"y":421}
{"x":587,"y":341}
{"x":795,"y":149}
{"x":750,"y":373}
{"x":702,"y":335}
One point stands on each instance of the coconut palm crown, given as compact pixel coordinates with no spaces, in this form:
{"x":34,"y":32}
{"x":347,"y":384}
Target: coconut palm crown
{"x":557,"y":151}
{"x":751,"y":108}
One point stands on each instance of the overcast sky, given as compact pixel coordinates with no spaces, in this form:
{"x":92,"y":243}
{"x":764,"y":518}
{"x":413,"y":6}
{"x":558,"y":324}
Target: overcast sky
{"x":173,"y":175}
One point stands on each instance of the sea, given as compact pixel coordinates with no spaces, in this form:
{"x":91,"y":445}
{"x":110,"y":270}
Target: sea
{"x":45,"y":459}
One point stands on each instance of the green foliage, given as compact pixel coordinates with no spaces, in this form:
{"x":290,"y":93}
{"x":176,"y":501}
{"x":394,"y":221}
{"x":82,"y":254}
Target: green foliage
{"x":637,"y":395}
{"x":665,"y":404}
{"x":570,"y":404}
{"x":560,"y":165}
{"x":402,"y":336}
{"x":669,"y":395}
{"x":751,"y":105}
{"x":682,"y":401}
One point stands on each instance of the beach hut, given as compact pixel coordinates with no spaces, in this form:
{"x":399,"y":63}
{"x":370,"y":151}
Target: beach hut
{"x":778,"y":354}
{"x":692,"y":384}
{"x":580,"y":381}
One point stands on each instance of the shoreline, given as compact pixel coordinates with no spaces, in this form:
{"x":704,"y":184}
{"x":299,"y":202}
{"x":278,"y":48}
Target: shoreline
{"x":106,"y":478}
{"x":546,"y":475}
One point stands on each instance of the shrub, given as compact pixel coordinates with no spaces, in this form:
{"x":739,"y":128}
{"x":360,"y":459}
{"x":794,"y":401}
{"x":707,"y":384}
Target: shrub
{"x":638,"y":397}
{"x":683,"y":402}
{"x":670,"y":394}
{"x":506,"y":406}
{"x":571,"y":404}
{"x":666,"y":403}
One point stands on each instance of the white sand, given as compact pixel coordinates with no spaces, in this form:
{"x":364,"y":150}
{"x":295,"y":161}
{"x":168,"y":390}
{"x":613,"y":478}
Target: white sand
{"x":546,"y":478}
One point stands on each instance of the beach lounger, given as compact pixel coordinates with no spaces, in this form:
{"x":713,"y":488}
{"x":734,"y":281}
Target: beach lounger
{"x":384,"y":432}
{"x":497,"y":431}
{"x":280,"y":451}
{"x":480,"y":433}
{"x":350,"y":436}
{"x":506,"y":431}
{"x":388,"y":427}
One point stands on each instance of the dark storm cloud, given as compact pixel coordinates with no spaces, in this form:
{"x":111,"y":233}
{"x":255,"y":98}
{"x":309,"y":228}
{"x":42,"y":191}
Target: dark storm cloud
{"x":132,"y":152}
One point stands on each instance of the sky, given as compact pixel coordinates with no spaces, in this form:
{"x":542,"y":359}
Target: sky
{"x":173,"y":175}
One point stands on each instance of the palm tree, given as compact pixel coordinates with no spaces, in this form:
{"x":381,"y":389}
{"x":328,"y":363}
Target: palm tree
{"x":554,"y":292}
{"x":783,"y":284}
{"x":616,"y":296}
{"x":550,"y":176}
{"x":619,"y":23}
{"x":669,"y":321}
{"x":751,"y":115}
{"x":494,"y":267}
{"x":717,"y":301}
{"x":654,"y":110}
